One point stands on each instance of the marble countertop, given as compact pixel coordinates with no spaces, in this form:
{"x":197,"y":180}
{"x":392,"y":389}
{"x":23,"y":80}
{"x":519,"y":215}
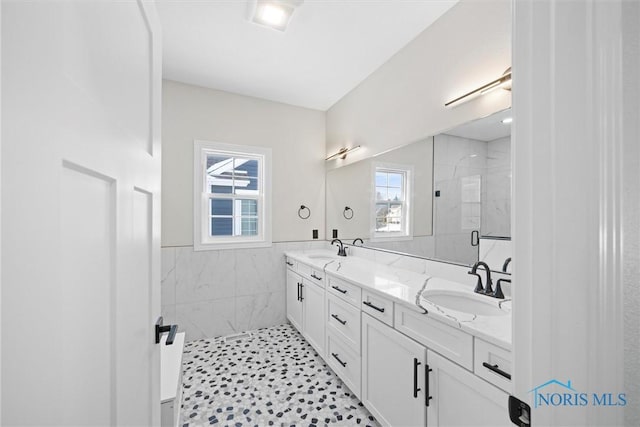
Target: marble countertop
{"x":408,"y":288}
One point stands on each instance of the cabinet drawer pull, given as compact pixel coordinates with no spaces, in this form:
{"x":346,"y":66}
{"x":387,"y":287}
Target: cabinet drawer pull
{"x":300,"y":297}
{"x":290,"y":264}
{"x":497,"y":370}
{"x":427,"y":395}
{"x":415,"y":378}
{"x":335,"y":356}
{"x":335,"y":316}
{"x":367,"y":303}
{"x":298,"y":291}
{"x":315,"y":277}
{"x":342,"y":291}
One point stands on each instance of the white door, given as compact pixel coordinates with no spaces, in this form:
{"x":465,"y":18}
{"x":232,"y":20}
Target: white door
{"x":314,"y":317}
{"x":294,"y":303}
{"x":393,"y":375}
{"x":459,"y":398}
{"x":80,"y":199}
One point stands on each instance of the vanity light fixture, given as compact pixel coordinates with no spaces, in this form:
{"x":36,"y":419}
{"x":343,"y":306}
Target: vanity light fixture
{"x":503,"y":82}
{"x":507,"y":120}
{"x":274,"y":14}
{"x":342,"y":153}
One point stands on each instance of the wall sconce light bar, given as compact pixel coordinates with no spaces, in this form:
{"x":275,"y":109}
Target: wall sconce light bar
{"x":342,"y":153}
{"x":502,"y":82}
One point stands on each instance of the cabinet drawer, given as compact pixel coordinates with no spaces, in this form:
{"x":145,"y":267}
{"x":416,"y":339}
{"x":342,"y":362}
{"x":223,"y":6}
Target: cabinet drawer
{"x":450,"y":342}
{"x":344,"y":290}
{"x":499,"y":361}
{"x":314,"y":274}
{"x":378,"y":307}
{"x":344,"y":320}
{"x":344,"y":362}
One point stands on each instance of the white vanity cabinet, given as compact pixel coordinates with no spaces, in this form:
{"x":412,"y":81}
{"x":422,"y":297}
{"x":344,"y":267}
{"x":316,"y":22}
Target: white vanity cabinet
{"x":306,"y":301}
{"x":393,"y":375}
{"x":460,"y":398}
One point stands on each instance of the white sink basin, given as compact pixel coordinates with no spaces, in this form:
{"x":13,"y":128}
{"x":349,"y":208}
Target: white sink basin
{"x":464,"y":302}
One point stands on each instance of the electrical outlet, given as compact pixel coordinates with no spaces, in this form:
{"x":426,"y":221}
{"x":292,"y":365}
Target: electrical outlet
{"x":315,"y":234}
{"x":335,"y":234}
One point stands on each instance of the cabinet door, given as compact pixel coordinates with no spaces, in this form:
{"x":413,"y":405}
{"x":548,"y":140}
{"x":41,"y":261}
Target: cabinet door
{"x":313,"y":313}
{"x":294,"y":302}
{"x":460,"y":398}
{"x":393,"y":375}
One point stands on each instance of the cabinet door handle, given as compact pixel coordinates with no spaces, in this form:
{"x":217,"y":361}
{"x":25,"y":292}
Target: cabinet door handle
{"x":497,"y":370}
{"x":367,"y":303}
{"x":298,"y":290}
{"x":290,"y":264}
{"x":342,"y":291}
{"x":301,"y":287}
{"x":315,"y":277}
{"x":415,"y":377}
{"x":427,"y":395}
{"x":335,"y":356}
{"x":335,"y":316}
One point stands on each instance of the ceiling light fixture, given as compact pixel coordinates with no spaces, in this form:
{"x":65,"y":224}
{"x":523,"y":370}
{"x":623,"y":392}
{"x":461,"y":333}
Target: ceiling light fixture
{"x":342,"y":153}
{"x":503,"y":81}
{"x":507,"y":120}
{"x":274,"y":14}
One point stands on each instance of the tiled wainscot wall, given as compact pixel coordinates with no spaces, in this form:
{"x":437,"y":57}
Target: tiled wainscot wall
{"x":220,"y":292}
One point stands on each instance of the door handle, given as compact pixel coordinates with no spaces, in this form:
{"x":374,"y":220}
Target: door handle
{"x":375,"y":307}
{"x":427,"y":396}
{"x":335,"y":316}
{"x":415,"y":377}
{"x":301,"y":286}
{"x":161,"y":329}
{"x":475,"y":238}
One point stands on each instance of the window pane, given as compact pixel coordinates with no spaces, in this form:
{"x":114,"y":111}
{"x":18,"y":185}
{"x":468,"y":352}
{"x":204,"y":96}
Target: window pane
{"x":395,"y":180}
{"x":221,"y":227}
{"x":249,"y":226}
{"x":220,"y":184}
{"x":246,"y":186}
{"x":381,"y":179}
{"x":394,"y":194}
{"x":246,"y":167}
{"x":247,"y":207}
{"x":382,"y":210}
{"x":219,"y":164}
{"x":381,"y":193}
{"x":221,"y":207}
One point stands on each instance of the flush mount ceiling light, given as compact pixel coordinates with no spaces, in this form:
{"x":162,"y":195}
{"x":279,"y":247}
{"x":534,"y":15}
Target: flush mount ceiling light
{"x":273,"y":13}
{"x":342,"y":153}
{"x":503,"y":82}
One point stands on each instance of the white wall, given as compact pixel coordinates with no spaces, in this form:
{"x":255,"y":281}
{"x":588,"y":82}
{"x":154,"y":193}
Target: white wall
{"x":403,"y":101}
{"x":212,"y":293}
{"x":296,"y":136}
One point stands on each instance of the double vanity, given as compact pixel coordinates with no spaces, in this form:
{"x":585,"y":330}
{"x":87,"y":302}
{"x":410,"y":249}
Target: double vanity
{"x":416,"y":350}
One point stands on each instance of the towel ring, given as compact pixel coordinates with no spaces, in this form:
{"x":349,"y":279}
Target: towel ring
{"x":302,"y":209}
{"x":345,"y":212}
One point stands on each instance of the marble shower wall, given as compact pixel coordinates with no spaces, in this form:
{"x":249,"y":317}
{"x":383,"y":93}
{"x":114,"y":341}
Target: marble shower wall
{"x":220,"y":292}
{"x":496,"y":197}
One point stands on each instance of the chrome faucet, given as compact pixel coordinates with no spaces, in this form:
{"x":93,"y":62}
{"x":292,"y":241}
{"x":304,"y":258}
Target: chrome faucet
{"x":341,"y":251}
{"x":479,"y":289}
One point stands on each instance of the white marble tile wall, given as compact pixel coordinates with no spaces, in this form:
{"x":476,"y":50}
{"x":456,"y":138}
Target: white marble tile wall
{"x":214,"y":293}
{"x":496,"y":198}
{"x":495,"y":252}
{"x":458,"y":163}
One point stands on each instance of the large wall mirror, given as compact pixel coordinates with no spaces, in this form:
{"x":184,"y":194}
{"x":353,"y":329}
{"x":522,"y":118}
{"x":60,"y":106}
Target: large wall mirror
{"x":439,"y":198}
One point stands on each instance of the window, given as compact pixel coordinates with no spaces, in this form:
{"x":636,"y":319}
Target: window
{"x":391,"y":207}
{"x":231,"y":196}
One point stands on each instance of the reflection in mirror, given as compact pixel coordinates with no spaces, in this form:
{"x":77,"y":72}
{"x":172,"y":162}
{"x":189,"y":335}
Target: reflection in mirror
{"x":446,"y":197}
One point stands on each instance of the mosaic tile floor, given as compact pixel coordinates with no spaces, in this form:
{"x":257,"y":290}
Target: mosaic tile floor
{"x":273,"y":378}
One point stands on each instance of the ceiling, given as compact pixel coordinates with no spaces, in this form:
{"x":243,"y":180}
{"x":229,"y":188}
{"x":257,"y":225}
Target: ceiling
{"x":485,"y":129}
{"x":329,"y":47}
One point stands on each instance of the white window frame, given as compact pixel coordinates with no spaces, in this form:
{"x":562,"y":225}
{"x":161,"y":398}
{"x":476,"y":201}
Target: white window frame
{"x":201,"y":219}
{"x":407,"y":232}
